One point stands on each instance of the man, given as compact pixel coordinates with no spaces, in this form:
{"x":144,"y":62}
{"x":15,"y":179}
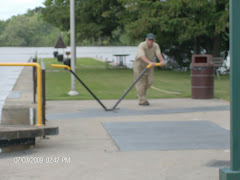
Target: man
{"x":146,"y":53}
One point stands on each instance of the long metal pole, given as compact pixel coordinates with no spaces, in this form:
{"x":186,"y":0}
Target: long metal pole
{"x":73,"y":46}
{"x":68,"y":68}
{"x":139,"y":77}
{"x":126,"y":92}
{"x":234,"y":172}
{"x":235,"y":86}
{"x":89,"y":90}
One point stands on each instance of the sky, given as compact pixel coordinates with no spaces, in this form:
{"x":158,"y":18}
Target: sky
{"x":9,"y":8}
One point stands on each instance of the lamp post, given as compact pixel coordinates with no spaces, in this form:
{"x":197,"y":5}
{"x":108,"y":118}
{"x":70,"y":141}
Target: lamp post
{"x":73,"y":91}
{"x":233,"y":173}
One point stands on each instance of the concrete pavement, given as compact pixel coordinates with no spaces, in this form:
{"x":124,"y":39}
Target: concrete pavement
{"x":85,"y":150}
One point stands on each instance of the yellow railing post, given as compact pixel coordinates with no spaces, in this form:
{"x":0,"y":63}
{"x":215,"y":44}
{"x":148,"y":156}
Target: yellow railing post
{"x":39,"y":87}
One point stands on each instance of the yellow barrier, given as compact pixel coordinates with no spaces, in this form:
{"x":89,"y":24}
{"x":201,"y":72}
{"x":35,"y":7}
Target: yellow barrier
{"x":114,"y":107}
{"x":61,"y":66}
{"x":39,"y":87}
{"x":150,"y":65}
{"x":67,"y":67}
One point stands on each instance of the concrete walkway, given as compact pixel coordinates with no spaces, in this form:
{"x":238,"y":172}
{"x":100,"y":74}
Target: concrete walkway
{"x":85,"y":149}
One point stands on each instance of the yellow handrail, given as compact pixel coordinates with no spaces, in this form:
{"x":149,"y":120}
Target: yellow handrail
{"x":39,"y":87}
{"x":61,"y":66}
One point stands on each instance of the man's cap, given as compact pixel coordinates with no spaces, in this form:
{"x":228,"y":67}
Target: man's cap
{"x":150,"y":36}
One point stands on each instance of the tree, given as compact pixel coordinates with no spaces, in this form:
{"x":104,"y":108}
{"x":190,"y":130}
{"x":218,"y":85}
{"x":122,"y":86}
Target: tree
{"x":2,"y":26}
{"x":182,"y":27}
{"x":29,"y":30}
{"x":57,"y":13}
{"x":17,"y":32}
{"x":95,"y":19}
{"x":219,"y":33}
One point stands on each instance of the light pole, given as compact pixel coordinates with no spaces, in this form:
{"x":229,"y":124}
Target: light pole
{"x":73,"y":91}
{"x":233,"y":173}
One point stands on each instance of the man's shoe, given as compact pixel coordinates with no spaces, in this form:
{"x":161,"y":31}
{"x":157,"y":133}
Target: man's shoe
{"x":146,"y":103}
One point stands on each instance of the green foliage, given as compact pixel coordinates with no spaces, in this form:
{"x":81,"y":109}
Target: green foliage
{"x":29,"y":30}
{"x":182,"y":27}
{"x":57,"y":13}
{"x":95,"y":19}
{"x":2,"y":26}
{"x":18,"y":31}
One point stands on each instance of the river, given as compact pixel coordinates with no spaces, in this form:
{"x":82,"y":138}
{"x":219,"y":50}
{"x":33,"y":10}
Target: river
{"x":102,"y":52}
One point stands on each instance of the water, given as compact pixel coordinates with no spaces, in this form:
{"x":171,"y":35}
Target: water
{"x":47,"y":52}
{"x":9,"y":75}
{"x":105,"y":53}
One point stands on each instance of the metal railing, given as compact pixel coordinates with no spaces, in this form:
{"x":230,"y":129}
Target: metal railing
{"x":43,"y":92}
{"x":34,"y":75}
{"x":39,"y":87}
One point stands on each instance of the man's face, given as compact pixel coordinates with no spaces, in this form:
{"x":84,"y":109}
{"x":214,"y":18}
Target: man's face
{"x":149,"y":42}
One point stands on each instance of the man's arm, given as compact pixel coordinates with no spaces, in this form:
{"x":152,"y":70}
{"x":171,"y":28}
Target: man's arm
{"x":145,"y":59}
{"x":159,"y":56}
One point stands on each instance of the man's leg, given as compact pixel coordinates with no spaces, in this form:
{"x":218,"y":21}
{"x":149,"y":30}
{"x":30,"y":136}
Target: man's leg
{"x":150,"y":79}
{"x":141,"y":88}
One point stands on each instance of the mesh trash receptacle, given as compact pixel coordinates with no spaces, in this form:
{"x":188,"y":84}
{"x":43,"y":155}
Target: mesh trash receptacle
{"x":202,"y":75}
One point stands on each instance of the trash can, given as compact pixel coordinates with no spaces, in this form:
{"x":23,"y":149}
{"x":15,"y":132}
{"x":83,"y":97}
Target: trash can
{"x":67,"y":62}
{"x":55,"y":53}
{"x":60,"y":57}
{"x":202,"y":75}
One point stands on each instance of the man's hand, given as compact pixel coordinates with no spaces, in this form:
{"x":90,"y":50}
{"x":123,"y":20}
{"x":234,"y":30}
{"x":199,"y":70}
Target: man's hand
{"x":162,"y":63}
{"x":153,"y":64}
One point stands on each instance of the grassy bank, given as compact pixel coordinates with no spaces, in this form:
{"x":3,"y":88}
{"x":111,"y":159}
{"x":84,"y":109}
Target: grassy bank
{"x":112,"y":83}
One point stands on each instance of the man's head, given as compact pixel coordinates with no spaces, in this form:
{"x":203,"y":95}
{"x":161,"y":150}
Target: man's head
{"x":150,"y":39}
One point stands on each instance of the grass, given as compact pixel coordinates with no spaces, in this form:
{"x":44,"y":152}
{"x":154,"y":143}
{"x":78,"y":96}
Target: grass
{"x":111,"y":83}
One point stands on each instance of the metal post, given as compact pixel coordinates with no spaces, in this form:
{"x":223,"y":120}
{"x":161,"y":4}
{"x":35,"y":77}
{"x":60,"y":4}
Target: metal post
{"x":34,"y":75}
{"x":234,"y":172}
{"x":73,"y":92}
{"x":43,"y":92}
{"x":235,"y":86}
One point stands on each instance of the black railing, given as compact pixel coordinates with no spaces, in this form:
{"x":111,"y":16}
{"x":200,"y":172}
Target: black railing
{"x":34,"y":80}
{"x":43,"y":92}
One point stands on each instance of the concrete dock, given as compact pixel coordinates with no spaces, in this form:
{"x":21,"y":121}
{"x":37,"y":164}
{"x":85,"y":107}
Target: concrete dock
{"x":17,"y":127}
{"x":172,"y":139}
